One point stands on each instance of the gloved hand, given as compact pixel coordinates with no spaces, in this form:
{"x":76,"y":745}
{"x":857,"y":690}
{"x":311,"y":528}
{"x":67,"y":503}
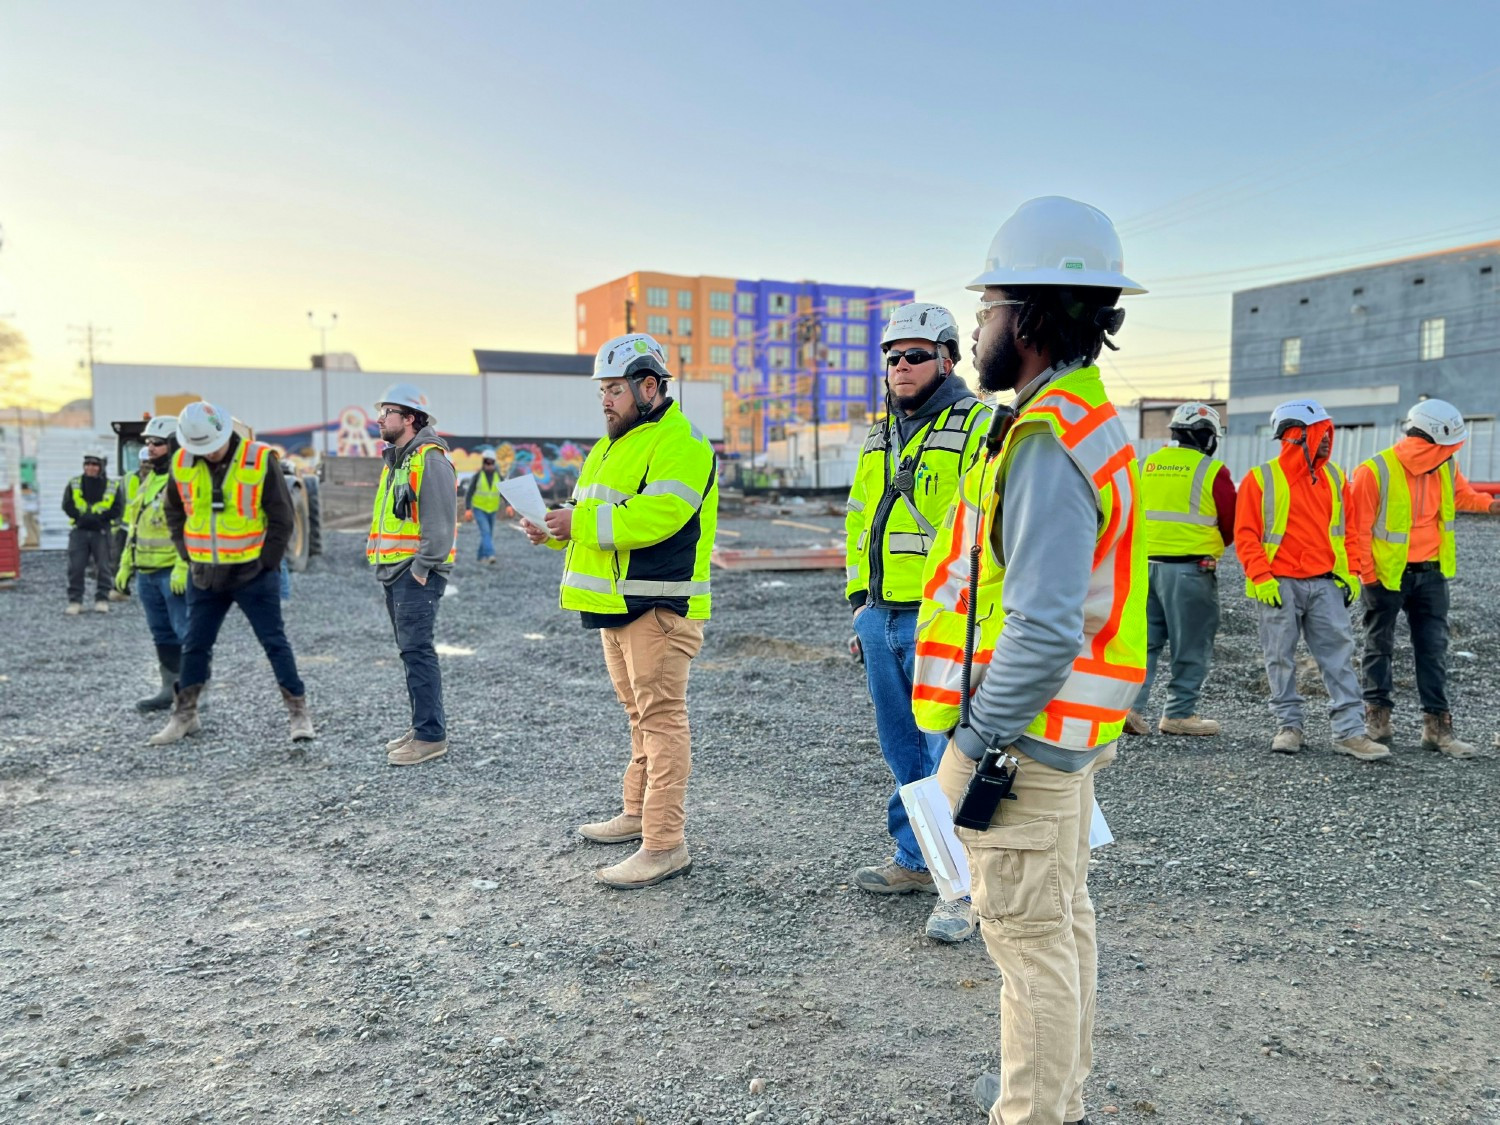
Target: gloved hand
{"x":1350,"y":590}
{"x":1268,"y":592}
{"x":179,"y":577}
{"x":123,"y":573}
{"x":468,"y":515}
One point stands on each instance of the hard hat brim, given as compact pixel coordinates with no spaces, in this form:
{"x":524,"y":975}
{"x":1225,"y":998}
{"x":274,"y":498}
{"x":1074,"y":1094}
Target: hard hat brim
{"x":1072,"y":279}
{"x":204,"y":448}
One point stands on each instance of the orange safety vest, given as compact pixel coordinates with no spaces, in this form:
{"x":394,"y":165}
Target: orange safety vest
{"x":233,"y":531}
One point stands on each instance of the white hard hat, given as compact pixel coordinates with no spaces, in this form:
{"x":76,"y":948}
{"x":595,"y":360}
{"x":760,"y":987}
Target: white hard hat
{"x":95,"y":453}
{"x":487,"y":452}
{"x":919,"y":321}
{"x":1056,"y":241}
{"x":1439,"y":420}
{"x":161,"y":426}
{"x":404,"y":394}
{"x":632,"y":356}
{"x":1196,"y":416}
{"x":202,"y":428}
{"x":1297,"y":412}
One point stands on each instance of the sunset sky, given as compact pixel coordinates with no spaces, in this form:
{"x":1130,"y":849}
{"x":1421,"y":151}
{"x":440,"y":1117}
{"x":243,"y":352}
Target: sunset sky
{"x":195,"y":178}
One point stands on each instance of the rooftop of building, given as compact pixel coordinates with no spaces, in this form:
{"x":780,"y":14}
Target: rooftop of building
{"x":1473,"y":250}
{"x":533,"y":363}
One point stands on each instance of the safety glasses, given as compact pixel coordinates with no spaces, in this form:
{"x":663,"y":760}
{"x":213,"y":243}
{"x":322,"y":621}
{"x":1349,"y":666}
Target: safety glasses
{"x":987,"y":309}
{"x":155,"y":442}
{"x":913,"y":356}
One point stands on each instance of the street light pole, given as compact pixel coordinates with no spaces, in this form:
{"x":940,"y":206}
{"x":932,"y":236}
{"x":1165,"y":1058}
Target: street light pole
{"x":322,"y":330}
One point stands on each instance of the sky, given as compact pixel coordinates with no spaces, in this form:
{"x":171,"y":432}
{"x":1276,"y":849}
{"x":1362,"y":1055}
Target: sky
{"x":194,"y":179}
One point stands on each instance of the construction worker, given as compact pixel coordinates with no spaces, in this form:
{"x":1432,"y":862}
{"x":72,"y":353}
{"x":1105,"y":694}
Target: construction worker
{"x":150,"y":554}
{"x":31,"y":517}
{"x":903,"y":483}
{"x":413,"y":538}
{"x":1188,"y":500}
{"x":1289,"y":535}
{"x":482,"y":501}
{"x":638,"y":533}
{"x":132,"y":486}
{"x":93,"y":502}
{"x":1401,"y":538}
{"x":231,"y":517}
{"x":1036,"y":587}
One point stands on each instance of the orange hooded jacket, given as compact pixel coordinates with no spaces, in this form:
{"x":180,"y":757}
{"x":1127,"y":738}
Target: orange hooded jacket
{"x":1305,"y":552}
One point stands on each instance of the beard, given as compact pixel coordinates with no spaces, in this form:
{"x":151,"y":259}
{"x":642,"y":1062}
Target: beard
{"x":999,"y":365}
{"x":908,"y":403}
{"x":390,"y":434}
{"x":615,"y":425}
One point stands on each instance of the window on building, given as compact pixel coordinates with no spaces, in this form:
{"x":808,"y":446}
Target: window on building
{"x":858,"y":334}
{"x":854,"y":386}
{"x":857,"y":412}
{"x":583,"y":338}
{"x":1431,"y":337}
{"x":781,"y":384}
{"x":859,"y":308}
{"x":656,"y":297}
{"x":718,"y":300}
{"x":888,"y":307}
{"x":1291,"y":356}
{"x":744,"y":329}
{"x":834,"y":306}
{"x":780,"y":330}
{"x":833,"y":358}
{"x":744,"y":304}
{"x":684,"y":298}
{"x":778,"y":357}
{"x":718,"y":356}
{"x":856,"y":361}
{"x":657,"y":325}
{"x":718,"y":327}
{"x":833,"y":333}
{"x":684,"y":354}
{"x":684,"y":326}
{"x":745,"y":432}
{"x":780,"y":303}
{"x":834,"y":386}
{"x":742,"y":356}
{"x":583,"y":312}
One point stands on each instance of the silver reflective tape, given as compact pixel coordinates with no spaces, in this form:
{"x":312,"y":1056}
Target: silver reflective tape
{"x":907,"y":543}
{"x":642,"y":589}
{"x":673,"y":488}
{"x":1268,"y":536}
{"x":950,"y":440}
{"x":1195,"y":490}
{"x":1181,"y":517}
{"x":851,"y":572}
{"x":588,"y":582}
{"x":604,"y":526}
{"x":601,"y":492}
{"x":917,"y":517}
{"x":854,"y":505}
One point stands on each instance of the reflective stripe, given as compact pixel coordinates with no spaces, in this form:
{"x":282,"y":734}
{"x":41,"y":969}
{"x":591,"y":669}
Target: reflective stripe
{"x":851,"y":573}
{"x":951,"y":440}
{"x":917,"y":517}
{"x":1182,"y":517}
{"x":601,"y":492}
{"x":1336,"y":497}
{"x":854,"y":505}
{"x":643,"y":589}
{"x":1382,"y":529}
{"x":587,"y":582}
{"x":604,"y":527}
{"x":908,"y":543}
{"x":673,"y":488}
{"x":1268,"y":534}
{"x":1195,"y":490}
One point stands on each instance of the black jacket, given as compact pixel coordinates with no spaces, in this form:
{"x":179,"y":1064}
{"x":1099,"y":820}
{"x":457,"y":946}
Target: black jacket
{"x":94,"y":489}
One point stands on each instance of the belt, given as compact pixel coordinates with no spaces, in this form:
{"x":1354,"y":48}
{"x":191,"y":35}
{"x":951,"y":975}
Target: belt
{"x":1178,"y":558}
{"x":1424,"y":567}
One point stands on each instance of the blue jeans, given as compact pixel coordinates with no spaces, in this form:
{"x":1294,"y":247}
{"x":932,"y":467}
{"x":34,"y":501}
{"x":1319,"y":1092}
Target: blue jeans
{"x":260,"y":601}
{"x":413,"y":610}
{"x":1182,"y":612}
{"x":485,"y":522}
{"x":888,"y":637}
{"x":285,"y":586}
{"x":166,"y":612}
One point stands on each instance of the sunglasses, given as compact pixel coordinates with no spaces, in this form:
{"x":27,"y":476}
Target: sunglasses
{"x":156,"y":441}
{"x":381,"y":416}
{"x":987,"y":309}
{"x":913,"y":356}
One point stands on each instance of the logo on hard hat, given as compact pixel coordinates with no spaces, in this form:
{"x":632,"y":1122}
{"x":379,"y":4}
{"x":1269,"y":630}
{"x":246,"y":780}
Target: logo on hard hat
{"x":642,"y":347}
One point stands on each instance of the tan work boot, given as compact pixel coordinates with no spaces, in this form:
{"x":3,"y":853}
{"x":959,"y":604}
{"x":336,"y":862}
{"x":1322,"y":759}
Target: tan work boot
{"x":1190,"y":725}
{"x":646,"y":868}
{"x":414,"y":752}
{"x":301,"y":721}
{"x":1288,"y":740}
{"x":890,"y":878}
{"x":118,"y":596}
{"x":621,"y":828}
{"x":74,"y":609}
{"x":183,"y":720}
{"x":101,"y":607}
{"x":397,"y":743}
{"x":1437,"y":734}
{"x":1358,"y":746}
{"x":1378,"y":724}
{"x":1136,"y":724}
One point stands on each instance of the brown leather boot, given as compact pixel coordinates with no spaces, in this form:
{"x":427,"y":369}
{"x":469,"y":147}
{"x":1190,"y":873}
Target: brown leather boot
{"x":183,"y":720}
{"x":1378,"y":724}
{"x":301,"y":722}
{"x":646,"y":869}
{"x":621,"y":828}
{"x":1437,"y":734}
{"x":1136,"y":724}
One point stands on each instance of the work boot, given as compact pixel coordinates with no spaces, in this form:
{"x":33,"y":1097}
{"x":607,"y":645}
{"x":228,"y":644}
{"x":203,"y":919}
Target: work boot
{"x":397,"y":743}
{"x":1358,"y":746}
{"x":74,"y":609}
{"x":987,"y":1093}
{"x":169,"y":663}
{"x":118,"y":596}
{"x":1136,"y":724}
{"x":1378,"y":724}
{"x":184,"y":718}
{"x":101,"y":607}
{"x":413,"y":752}
{"x":1437,"y":734}
{"x":1288,"y":740}
{"x":301,"y":721}
{"x":950,"y":922}
{"x":890,"y":878}
{"x":621,"y":828}
{"x":1190,"y":725}
{"x":646,"y":868}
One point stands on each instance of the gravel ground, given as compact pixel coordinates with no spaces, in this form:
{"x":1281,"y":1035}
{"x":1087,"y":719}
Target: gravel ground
{"x":228,"y":930}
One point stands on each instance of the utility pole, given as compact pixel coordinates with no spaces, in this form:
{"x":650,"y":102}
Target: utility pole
{"x":92,"y":339}
{"x":322,"y":330}
{"x":810,"y":336}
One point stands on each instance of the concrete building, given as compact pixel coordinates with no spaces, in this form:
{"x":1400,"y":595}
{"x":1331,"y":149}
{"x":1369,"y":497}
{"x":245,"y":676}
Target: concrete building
{"x":783,"y":350}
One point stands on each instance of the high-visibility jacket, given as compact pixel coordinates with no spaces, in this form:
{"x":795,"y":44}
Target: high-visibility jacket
{"x":98,"y":507}
{"x":1391,"y":534}
{"x":132,"y":485}
{"x":1177,"y":493}
{"x":1089,"y":710}
{"x":486,"y":495}
{"x":888,"y":532}
{"x":393,"y":538}
{"x":645,"y":510}
{"x":1276,"y":506}
{"x":227,"y":525}
{"x":148,"y":539}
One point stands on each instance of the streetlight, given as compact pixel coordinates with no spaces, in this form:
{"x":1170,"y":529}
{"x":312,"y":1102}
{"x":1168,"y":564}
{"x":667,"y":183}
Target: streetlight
{"x":322,"y":330}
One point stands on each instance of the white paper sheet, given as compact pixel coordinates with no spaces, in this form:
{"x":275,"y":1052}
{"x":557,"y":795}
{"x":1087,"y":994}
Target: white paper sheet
{"x":1099,"y":833}
{"x":522,"y":494}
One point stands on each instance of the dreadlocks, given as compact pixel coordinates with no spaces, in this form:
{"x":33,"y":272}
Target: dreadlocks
{"x":1070,"y":324}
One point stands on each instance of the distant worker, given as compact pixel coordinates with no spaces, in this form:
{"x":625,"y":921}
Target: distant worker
{"x":413,"y":538}
{"x":131,"y":483}
{"x":93,"y":502}
{"x":231,"y":517}
{"x":1039,"y":572}
{"x":482,"y":502}
{"x":1188,"y":499}
{"x":151,"y":555}
{"x":907,"y":473}
{"x":1401,"y":534}
{"x":638,"y":534}
{"x":31,"y":516}
{"x":1289,"y":534}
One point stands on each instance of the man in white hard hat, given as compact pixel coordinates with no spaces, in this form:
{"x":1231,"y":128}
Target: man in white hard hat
{"x":638,"y":534}
{"x":1290,"y":537}
{"x":231,"y":517}
{"x":413,"y":537}
{"x":1402,"y":544}
{"x":1035,"y":589}
{"x":903,"y":484}
{"x":93,"y":503}
{"x":1189,"y":507}
{"x":482,"y":502}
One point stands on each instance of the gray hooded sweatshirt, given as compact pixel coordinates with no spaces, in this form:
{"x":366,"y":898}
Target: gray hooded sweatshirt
{"x":437,"y":505}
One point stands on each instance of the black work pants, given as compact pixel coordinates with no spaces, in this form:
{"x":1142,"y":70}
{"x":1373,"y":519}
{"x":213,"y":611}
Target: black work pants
{"x":85,"y":544}
{"x":1424,"y":598}
{"x":413,"y":610}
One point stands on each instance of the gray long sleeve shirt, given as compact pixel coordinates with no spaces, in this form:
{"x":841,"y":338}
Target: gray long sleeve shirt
{"x":437,"y":506}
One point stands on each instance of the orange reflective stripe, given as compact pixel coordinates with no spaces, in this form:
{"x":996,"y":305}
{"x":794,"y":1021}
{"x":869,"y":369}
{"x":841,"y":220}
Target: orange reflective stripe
{"x":1098,"y":666}
{"x":953,"y":652}
{"x":935,"y":694}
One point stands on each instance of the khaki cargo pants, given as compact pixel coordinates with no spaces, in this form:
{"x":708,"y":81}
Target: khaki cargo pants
{"x":1029,"y":874}
{"x":648,"y":665}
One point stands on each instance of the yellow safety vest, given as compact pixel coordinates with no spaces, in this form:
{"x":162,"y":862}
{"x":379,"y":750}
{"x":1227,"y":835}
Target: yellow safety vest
{"x":934,"y":458}
{"x":1276,"y":505}
{"x":233,"y":529}
{"x":148,"y":539}
{"x":100,"y":506}
{"x":393,"y":539}
{"x":1177,"y":492}
{"x":486,"y":491}
{"x":1089,"y":710}
{"x":645,"y":510}
{"x":1390,"y":536}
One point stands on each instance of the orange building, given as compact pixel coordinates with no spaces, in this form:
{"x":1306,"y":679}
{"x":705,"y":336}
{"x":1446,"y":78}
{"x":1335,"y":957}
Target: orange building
{"x":678,"y":311}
